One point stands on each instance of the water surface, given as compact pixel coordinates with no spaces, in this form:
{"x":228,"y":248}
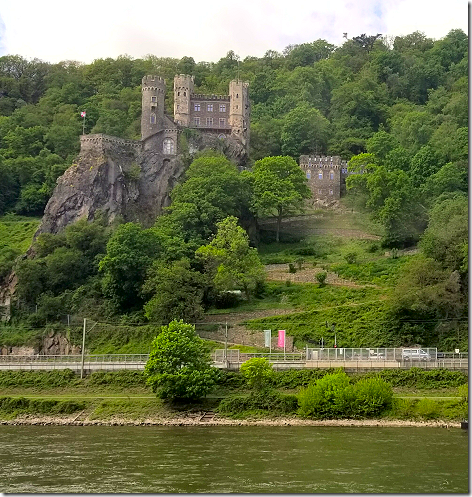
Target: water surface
{"x":221,"y":459}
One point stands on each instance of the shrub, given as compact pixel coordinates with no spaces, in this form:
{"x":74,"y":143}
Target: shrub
{"x":258,"y":372}
{"x":463,"y":391}
{"x":292,"y":268}
{"x":427,"y":408}
{"x":372,"y":396}
{"x":322,"y":399}
{"x":321,"y":277}
{"x":351,"y":257}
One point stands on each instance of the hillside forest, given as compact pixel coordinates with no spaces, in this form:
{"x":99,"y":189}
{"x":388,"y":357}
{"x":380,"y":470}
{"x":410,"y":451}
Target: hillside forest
{"x":395,"y":107}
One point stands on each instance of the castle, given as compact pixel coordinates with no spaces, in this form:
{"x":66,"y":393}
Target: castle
{"x":222,"y":116}
{"x":326,"y":176}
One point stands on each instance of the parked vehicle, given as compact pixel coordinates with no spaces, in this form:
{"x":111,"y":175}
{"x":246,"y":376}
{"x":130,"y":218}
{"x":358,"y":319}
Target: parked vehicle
{"x":415,"y":355}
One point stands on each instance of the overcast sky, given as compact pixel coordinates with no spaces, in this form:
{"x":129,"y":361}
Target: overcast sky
{"x":206,"y":30}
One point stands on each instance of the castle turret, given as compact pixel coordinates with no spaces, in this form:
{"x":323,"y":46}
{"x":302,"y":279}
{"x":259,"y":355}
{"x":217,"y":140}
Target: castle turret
{"x":239,"y":110}
{"x":183,"y":88}
{"x":153,"y":94}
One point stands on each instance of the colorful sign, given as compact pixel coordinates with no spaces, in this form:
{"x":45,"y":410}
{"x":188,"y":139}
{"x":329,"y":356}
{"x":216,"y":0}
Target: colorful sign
{"x":281,"y":340}
{"x":267,"y":337}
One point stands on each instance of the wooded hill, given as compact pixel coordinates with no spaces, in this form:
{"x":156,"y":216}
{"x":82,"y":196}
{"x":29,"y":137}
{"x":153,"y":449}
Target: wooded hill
{"x":397,"y":107}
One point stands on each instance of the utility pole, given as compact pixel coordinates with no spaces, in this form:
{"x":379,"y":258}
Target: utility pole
{"x":83,"y":350}
{"x":83,"y":346}
{"x":226,"y":344}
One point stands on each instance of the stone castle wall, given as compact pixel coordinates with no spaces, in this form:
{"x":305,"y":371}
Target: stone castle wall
{"x":105,"y":143}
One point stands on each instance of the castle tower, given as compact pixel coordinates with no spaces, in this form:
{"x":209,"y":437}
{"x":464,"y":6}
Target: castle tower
{"x":153,"y":90}
{"x":183,"y":88}
{"x":239,"y":110}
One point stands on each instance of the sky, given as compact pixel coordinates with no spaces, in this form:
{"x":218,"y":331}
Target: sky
{"x":206,"y":30}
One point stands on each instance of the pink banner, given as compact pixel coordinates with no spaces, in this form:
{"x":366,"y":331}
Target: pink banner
{"x":281,"y":342}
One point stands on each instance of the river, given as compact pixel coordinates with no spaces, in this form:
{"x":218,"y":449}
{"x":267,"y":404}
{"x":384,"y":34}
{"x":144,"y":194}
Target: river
{"x":222,"y":459}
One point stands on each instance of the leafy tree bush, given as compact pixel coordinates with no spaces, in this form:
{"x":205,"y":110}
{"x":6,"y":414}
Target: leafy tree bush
{"x":321,"y":278}
{"x":179,"y":364}
{"x":258,"y":373}
{"x":333,"y":396}
{"x":230,"y":261}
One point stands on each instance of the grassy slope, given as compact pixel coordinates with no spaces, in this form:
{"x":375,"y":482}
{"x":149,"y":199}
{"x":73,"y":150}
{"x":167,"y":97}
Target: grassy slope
{"x":16,"y":232}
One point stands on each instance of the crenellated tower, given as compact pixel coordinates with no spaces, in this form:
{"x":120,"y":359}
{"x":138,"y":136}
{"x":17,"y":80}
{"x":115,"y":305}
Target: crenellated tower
{"x":183,"y":88}
{"x":239,"y":111}
{"x":153,"y":93}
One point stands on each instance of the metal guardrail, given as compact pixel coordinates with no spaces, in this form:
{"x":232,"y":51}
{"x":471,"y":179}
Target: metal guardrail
{"x":233,"y":356}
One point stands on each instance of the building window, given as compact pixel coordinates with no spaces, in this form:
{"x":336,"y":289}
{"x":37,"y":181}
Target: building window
{"x":196,"y":107}
{"x":221,"y":136}
{"x":178,"y":93}
{"x":168,"y":146}
{"x":196,"y":121}
{"x":308,"y":174}
{"x":222,"y":122}
{"x":320,"y":191}
{"x":331,"y":175}
{"x":331,"y":192}
{"x":185,"y":93}
{"x":209,"y":121}
{"x":320,"y":175}
{"x":222,"y":107}
{"x":153,"y":118}
{"x":178,"y":107}
{"x":237,"y":95}
{"x":210,"y":107}
{"x":153,"y":98}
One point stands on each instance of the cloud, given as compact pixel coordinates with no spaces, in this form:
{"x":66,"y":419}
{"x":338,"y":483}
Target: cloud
{"x":55,"y":30}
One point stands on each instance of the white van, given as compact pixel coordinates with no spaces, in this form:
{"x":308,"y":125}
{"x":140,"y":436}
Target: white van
{"x":415,"y":355}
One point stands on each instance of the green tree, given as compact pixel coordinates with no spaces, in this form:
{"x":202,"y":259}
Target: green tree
{"x":279,"y":186}
{"x":305,"y":129}
{"x":258,"y":373}
{"x":179,"y":364}
{"x":230,"y":261}
{"x":177,"y":292}
{"x":130,"y":252}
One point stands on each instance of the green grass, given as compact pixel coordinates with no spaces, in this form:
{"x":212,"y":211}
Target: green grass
{"x":362,"y":325}
{"x":16,"y":235}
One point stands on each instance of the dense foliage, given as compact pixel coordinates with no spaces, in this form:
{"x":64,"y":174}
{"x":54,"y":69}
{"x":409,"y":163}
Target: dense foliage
{"x":179,"y":366}
{"x":396,"y":109}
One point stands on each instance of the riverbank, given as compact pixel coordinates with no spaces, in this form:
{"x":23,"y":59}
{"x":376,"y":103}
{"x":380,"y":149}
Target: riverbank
{"x":195,"y":421}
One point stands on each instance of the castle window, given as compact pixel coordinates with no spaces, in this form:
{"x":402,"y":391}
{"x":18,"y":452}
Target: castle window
{"x":222,"y":107}
{"x":331,"y":192}
{"x":237,"y":107}
{"x":185,"y":93}
{"x":196,"y":121}
{"x":331,"y":175}
{"x":320,"y":191}
{"x":168,"y":146}
{"x":320,"y":175}
{"x":196,"y":107}
{"x":209,"y":121}
{"x":222,"y":122}
{"x":237,"y":95}
{"x":221,"y":136}
{"x":153,"y":98}
{"x":153,"y":118}
{"x":308,"y":174}
{"x":210,"y":107}
{"x":178,"y":93}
